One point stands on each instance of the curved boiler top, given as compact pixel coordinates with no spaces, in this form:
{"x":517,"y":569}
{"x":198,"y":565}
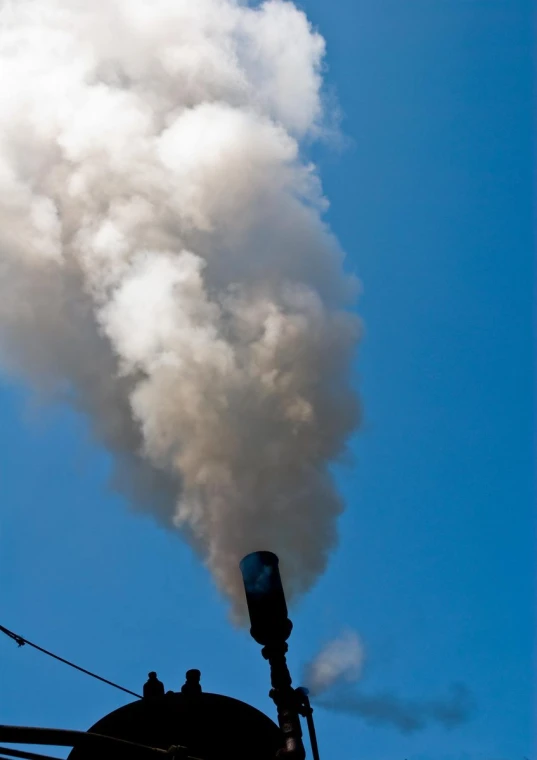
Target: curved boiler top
{"x":211,"y":726}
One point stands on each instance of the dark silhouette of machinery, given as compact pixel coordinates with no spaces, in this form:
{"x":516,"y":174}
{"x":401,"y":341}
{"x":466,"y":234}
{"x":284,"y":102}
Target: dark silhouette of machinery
{"x":195,"y":724}
{"x":209,"y":726}
{"x":153,"y":687}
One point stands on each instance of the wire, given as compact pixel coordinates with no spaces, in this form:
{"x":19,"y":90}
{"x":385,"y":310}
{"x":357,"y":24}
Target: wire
{"x":22,"y":641}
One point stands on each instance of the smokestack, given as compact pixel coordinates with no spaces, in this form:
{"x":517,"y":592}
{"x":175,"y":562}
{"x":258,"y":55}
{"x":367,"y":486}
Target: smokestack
{"x":265,"y":598}
{"x":271,"y":627}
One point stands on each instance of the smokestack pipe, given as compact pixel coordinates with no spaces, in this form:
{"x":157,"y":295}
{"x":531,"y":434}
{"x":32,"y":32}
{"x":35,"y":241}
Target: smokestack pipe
{"x":271,"y":627}
{"x":265,"y":598}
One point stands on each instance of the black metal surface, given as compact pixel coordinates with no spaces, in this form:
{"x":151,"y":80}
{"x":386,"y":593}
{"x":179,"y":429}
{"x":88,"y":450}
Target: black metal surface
{"x":210,"y":726}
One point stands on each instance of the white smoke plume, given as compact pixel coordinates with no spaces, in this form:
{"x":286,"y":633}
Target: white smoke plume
{"x":329,"y":677}
{"x":338,"y":662}
{"x":164,"y":266}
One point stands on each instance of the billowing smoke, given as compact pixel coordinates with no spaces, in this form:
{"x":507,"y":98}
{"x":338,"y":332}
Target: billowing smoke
{"x":164,"y":266}
{"x":331,"y":672}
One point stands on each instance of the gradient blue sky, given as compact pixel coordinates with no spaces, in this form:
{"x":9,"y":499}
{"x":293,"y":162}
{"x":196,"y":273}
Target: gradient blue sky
{"x":432,"y":200}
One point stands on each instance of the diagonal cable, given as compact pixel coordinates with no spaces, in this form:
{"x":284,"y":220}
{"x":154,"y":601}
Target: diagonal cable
{"x":22,"y":641}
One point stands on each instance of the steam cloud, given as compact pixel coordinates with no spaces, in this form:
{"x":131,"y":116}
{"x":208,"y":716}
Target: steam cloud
{"x":340,"y":661}
{"x":329,"y":675}
{"x":164,"y":266}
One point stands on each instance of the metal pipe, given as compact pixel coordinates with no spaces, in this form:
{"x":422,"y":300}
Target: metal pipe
{"x":271,"y":627}
{"x":265,"y":598}
{"x":284,"y":697}
{"x":24,"y":754}
{"x":67,"y":738}
{"x":307,"y":712}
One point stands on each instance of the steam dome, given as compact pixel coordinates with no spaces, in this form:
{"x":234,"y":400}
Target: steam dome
{"x":211,"y":726}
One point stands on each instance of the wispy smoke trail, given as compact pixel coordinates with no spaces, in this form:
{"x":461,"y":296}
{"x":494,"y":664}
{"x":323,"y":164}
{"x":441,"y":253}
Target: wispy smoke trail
{"x":404,"y":714}
{"x":329,"y":675}
{"x":164,"y":266}
{"x":339,"y":662}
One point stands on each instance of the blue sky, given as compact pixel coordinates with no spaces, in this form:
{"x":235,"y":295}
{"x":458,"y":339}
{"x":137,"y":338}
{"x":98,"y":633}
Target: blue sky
{"x":431,"y":199}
